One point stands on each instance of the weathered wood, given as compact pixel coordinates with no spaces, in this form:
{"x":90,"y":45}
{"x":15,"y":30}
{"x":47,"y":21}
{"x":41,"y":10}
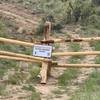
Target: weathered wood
{"x":78,"y":39}
{"x":72,"y":40}
{"x":47,"y":30}
{"x":49,"y":68}
{"x":23,"y":56}
{"x":78,"y":65}
{"x":46,"y":68}
{"x":12,"y":41}
{"x":18,"y":59}
{"x":45,"y":64}
{"x":44,"y":72}
{"x":76,"y":53}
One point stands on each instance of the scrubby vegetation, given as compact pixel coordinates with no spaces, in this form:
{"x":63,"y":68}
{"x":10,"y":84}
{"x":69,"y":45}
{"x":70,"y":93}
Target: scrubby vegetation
{"x":67,"y":76}
{"x":10,"y":72}
{"x":62,"y":13}
{"x":90,"y":90}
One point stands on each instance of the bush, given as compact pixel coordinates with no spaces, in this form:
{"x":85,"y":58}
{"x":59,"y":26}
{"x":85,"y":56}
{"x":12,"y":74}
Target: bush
{"x":35,"y":95}
{"x":67,"y":76}
{"x":96,"y":2}
{"x":86,"y":11}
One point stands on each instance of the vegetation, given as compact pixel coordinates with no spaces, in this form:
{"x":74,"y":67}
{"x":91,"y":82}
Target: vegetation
{"x":96,"y":2}
{"x":62,"y":13}
{"x":75,"y":47}
{"x":67,"y":76}
{"x":9,"y":70}
{"x":90,"y":90}
{"x":96,"y":46}
{"x":35,"y":95}
{"x":84,"y":12}
{"x":2,"y":89}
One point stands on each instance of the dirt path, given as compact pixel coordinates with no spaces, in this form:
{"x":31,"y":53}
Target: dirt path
{"x":84,"y":72}
{"x":47,"y":91}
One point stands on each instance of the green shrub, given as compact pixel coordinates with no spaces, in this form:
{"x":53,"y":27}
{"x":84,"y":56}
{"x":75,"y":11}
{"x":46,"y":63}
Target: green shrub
{"x":97,"y":61}
{"x":86,"y":11}
{"x":40,"y":27}
{"x":5,"y":65}
{"x":67,"y":76}
{"x":35,"y":95}
{"x":96,"y":2}
{"x":96,"y":45}
{"x":34,"y":71}
{"x":2,"y":89}
{"x":16,"y":78}
{"x":90,"y":90}
{"x":74,"y":47}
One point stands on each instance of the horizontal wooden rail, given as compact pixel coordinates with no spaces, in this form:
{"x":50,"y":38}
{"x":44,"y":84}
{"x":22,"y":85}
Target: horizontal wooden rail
{"x":23,"y":56}
{"x":18,"y":58}
{"x":76,"y":53}
{"x":81,"y":39}
{"x":72,"y":40}
{"x":59,"y":65}
{"x":78,"y":65}
{"x":12,"y":41}
{"x":54,"y":54}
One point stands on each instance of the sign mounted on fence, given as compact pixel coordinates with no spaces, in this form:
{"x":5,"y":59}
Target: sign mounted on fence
{"x":42,"y":51}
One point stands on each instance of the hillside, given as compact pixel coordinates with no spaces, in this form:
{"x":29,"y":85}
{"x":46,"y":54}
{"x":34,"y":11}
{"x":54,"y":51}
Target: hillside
{"x":23,"y":20}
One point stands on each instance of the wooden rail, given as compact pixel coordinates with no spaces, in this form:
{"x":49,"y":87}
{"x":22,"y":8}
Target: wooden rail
{"x":79,"y":65}
{"x":18,"y":59}
{"x":55,"y":63}
{"x":72,"y":40}
{"x":46,"y":63}
{"x":79,"y":39}
{"x":6,"y":53}
{"x":76,"y":53}
{"x":12,"y":41}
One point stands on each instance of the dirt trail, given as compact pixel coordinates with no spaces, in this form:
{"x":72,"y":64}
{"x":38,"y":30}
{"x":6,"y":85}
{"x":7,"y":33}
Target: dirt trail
{"x":47,"y":91}
{"x":84,"y":72}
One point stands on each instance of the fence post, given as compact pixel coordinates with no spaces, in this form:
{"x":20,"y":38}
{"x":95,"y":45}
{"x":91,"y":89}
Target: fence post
{"x":44,"y":72}
{"x":46,"y":66}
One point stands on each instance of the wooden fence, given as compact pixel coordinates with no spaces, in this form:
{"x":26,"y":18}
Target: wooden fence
{"x":48,"y":63}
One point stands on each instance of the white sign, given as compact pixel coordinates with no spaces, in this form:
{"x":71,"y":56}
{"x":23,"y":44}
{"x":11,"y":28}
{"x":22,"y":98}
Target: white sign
{"x":42,"y":51}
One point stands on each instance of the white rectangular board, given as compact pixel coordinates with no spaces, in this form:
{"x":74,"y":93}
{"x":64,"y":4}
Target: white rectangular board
{"x":42,"y":51}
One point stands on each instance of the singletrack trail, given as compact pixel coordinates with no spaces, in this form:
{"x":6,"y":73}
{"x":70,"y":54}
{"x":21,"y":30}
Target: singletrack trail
{"x":84,"y":72}
{"x":46,"y":91}
{"x":66,"y":94}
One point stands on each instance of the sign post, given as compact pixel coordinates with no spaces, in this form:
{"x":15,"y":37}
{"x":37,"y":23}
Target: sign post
{"x":44,"y":50}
